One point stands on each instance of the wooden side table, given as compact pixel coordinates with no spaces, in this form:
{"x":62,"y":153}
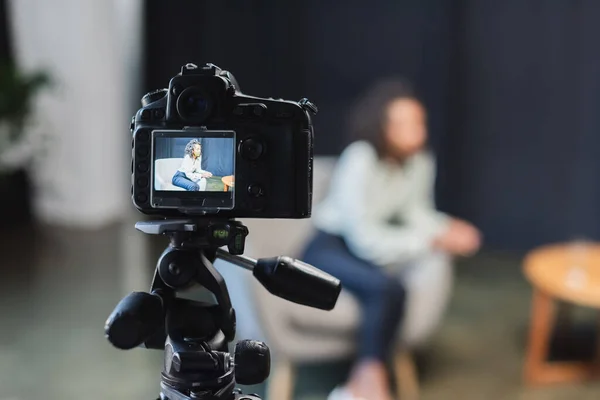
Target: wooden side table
{"x":567,"y":272}
{"x":228,"y":181}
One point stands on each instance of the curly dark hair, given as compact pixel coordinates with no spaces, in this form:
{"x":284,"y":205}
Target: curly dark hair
{"x":189,"y":148}
{"x":367,"y":117}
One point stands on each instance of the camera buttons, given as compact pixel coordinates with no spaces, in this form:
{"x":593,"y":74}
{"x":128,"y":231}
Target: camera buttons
{"x":142,"y":136}
{"x":141,"y":198}
{"x":284,"y":114}
{"x":259,"y":110}
{"x":159,"y":113}
{"x":251,"y":149}
{"x":255,"y":190}
{"x":142,"y":182}
{"x":238,"y":111}
{"x":142,"y":167}
{"x":143,"y":150}
{"x":250,"y":110}
{"x":145,"y":116}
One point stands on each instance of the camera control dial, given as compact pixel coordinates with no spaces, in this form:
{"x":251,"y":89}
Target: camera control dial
{"x":308,"y":105}
{"x":251,"y":149}
{"x":151,"y":97}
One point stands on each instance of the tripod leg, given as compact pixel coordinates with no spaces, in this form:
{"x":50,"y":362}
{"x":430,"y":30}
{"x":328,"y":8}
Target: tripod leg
{"x":282,"y":381}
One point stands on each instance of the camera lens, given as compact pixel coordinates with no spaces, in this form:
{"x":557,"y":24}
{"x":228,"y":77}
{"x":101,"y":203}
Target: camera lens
{"x":193,"y":104}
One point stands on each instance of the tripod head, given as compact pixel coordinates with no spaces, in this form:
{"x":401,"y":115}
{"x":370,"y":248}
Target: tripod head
{"x":195,"y":335}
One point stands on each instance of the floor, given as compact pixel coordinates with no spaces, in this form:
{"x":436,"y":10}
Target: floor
{"x":58,"y":286}
{"x":215,"y":184}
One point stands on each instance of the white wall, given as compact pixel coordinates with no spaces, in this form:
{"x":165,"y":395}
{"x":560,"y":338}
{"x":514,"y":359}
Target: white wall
{"x":92,"y":49}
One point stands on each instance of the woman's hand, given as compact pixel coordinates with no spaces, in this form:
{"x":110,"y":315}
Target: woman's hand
{"x":460,"y":238}
{"x":206,"y":174}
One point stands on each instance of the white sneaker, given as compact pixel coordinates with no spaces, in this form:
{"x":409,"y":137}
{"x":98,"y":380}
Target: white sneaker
{"x":341,"y":393}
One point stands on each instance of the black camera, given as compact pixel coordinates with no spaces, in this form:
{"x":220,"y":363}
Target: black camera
{"x":203,"y":148}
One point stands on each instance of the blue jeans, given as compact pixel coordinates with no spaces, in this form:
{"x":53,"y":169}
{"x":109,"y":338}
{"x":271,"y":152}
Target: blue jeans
{"x":182,"y":181}
{"x":381,"y":297}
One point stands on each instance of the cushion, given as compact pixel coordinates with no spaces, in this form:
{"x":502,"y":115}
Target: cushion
{"x":164,"y":169}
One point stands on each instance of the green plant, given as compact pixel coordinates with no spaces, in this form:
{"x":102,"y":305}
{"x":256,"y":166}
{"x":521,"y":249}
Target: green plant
{"x":17,"y":92}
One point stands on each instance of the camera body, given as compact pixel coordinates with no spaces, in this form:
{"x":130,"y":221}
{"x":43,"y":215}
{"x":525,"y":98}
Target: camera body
{"x":203,"y":148}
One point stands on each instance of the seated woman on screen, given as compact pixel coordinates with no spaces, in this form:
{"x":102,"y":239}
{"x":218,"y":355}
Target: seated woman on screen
{"x":378,"y":230}
{"x":190,"y":175}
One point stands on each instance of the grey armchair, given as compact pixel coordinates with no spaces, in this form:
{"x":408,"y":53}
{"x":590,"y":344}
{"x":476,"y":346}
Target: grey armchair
{"x":299,"y":335}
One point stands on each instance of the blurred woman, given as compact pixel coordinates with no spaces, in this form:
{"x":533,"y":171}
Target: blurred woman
{"x":378,"y":225}
{"x":190,"y":176}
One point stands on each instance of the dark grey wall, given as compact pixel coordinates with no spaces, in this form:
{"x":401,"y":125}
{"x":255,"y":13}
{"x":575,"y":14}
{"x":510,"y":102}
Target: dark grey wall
{"x":217,"y":153}
{"x":512,"y":89}
{"x":522,"y":139}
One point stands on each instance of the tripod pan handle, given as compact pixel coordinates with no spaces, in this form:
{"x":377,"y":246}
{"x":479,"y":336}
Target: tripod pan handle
{"x":298,"y":282}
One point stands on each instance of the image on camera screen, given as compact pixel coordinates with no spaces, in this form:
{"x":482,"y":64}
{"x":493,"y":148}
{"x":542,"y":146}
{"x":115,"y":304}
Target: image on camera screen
{"x":194,"y":164}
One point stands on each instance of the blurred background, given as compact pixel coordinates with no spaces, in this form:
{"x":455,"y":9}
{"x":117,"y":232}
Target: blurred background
{"x":512,"y":90}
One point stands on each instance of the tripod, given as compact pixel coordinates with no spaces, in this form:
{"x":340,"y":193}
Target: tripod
{"x":195,"y":335}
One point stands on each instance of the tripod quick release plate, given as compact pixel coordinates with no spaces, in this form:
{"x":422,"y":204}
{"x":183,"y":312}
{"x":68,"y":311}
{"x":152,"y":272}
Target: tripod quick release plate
{"x":213,"y":233}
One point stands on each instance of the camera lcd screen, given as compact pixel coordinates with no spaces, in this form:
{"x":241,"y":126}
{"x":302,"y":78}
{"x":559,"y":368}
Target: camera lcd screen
{"x":193,"y":169}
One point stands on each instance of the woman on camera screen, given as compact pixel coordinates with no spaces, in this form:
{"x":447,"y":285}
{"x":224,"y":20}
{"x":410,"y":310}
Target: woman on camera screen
{"x":190,"y":176}
{"x":378,"y":230}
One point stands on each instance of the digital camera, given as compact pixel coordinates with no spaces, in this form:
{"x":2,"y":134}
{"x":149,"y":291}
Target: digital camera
{"x":203,"y":148}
